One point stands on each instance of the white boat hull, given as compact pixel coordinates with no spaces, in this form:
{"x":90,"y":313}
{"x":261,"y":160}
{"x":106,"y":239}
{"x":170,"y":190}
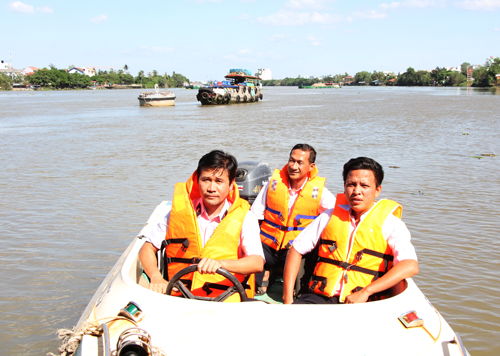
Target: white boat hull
{"x":189,"y":327}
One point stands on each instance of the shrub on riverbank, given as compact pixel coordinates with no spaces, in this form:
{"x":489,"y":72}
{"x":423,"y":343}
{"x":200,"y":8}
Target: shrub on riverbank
{"x":5,"y":82}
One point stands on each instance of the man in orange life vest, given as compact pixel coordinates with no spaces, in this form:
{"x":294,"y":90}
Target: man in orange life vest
{"x":210,"y":223}
{"x":364,"y":247}
{"x":291,"y":200}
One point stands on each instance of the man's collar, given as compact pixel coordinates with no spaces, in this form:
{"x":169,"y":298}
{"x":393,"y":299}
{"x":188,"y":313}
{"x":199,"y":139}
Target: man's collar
{"x":298,"y":190}
{"x":200,"y":209}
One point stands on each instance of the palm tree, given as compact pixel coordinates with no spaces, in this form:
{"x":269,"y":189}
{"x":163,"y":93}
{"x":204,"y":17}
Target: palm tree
{"x":125,"y":68}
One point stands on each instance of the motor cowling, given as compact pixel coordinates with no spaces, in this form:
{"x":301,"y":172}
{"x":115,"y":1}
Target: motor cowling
{"x":251,"y":176}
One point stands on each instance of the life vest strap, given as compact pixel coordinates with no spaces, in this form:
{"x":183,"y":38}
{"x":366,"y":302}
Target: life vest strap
{"x":284,"y":228}
{"x":331,"y":243}
{"x":315,"y":281}
{"x":207,"y":287}
{"x":350,"y":267}
{"x":275,"y":212}
{"x":183,"y":241}
{"x":191,"y":261}
{"x":270,"y":237}
{"x":384,"y":256}
{"x":308,"y":217}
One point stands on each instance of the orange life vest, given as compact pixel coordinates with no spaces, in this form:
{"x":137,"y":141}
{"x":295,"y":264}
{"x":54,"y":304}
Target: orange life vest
{"x":279,"y":229}
{"x":358,"y":261}
{"x":183,"y":245}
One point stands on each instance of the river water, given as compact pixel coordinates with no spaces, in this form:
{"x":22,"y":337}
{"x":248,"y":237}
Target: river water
{"x":81,"y":171}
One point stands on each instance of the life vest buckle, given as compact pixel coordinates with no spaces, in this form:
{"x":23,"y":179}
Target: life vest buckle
{"x":333,"y":247}
{"x":359,"y":255}
{"x":313,"y":286}
{"x":345,"y":276}
{"x":185,"y":245}
{"x":206,"y":288}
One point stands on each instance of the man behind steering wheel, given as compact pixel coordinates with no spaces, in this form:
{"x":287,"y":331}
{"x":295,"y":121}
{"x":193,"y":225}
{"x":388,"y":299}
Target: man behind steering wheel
{"x":210,"y":224}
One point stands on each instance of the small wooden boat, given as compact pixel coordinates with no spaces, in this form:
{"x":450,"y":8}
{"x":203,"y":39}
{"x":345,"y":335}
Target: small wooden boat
{"x":157,"y":98}
{"x":239,"y":87}
{"x":125,"y":318}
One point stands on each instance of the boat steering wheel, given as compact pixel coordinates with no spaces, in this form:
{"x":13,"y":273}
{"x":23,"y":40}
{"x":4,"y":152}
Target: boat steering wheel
{"x":236,"y":287}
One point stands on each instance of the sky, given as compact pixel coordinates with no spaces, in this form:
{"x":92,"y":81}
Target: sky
{"x":203,"y":39}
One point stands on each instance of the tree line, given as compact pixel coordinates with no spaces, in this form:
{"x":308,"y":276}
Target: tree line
{"x":483,"y":76}
{"x":61,"y":79}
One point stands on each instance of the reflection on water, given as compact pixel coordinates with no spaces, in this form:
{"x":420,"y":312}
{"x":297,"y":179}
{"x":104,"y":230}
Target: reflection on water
{"x":82,"y":171}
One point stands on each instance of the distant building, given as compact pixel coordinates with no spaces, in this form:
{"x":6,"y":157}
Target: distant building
{"x":88,"y":71}
{"x":4,"y":65}
{"x":30,"y":70}
{"x":348,"y":80}
{"x":490,"y":61}
{"x":388,"y":73}
{"x":264,"y":74}
{"x":83,"y":70}
{"x":6,"y":68}
{"x":76,"y":70}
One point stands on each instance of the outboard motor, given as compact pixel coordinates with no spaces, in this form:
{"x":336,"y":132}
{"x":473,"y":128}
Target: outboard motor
{"x":251,"y":176}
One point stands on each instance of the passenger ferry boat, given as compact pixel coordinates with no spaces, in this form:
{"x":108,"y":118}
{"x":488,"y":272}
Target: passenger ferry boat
{"x":240,"y":86}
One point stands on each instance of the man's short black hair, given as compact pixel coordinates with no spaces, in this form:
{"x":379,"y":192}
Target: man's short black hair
{"x":367,"y":164}
{"x":217,"y":160}
{"x":306,"y":148}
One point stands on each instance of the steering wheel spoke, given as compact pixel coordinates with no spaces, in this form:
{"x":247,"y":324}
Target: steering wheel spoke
{"x":184,"y":291}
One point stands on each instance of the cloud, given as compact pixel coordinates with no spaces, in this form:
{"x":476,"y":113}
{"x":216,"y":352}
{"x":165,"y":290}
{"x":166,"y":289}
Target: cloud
{"x":244,"y":51}
{"x":313,"y":40}
{"x":496,"y":29}
{"x":486,"y":5}
{"x":45,"y":9}
{"x":419,"y":4}
{"x":277,"y":37}
{"x":290,"y":18}
{"x":307,"y":4}
{"x":424,"y":4}
{"x":391,"y":6}
{"x":161,"y":49}
{"x":99,"y":19}
{"x":18,"y":6}
{"x":370,"y":14}
{"x":243,"y":17}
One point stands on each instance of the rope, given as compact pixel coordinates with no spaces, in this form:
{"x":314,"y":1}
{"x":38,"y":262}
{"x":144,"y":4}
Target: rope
{"x":71,"y":338}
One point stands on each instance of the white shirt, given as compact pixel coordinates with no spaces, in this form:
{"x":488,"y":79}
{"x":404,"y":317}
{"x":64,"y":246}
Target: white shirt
{"x":394,"y":231}
{"x":259,"y":205}
{"x":249,"y":238}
